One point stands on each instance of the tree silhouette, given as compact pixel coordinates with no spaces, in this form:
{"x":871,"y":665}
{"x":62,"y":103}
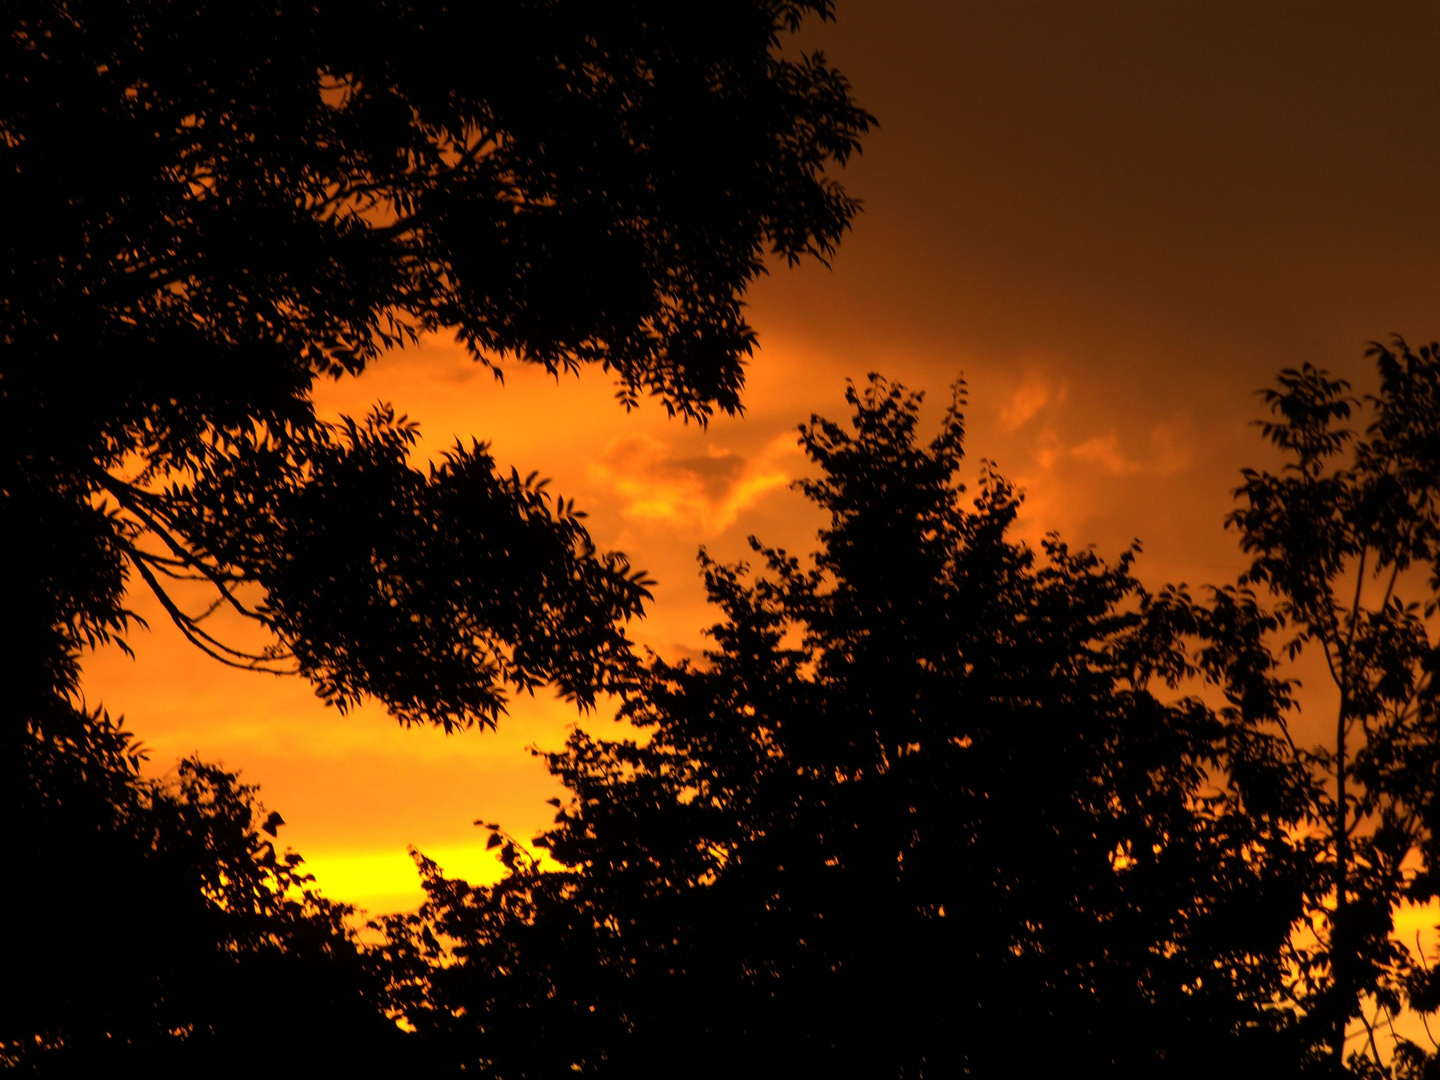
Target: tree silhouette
{"x":217,"y":205}
{"x":286,"y":191}
{"x":1346,"y":542}
{"x":932,"y":805}
{"x":163,"y":931}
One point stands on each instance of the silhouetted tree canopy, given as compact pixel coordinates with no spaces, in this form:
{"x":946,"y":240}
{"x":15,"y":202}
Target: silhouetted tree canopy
{"x":1345,"y":544}
{"x":217,"y":204}
{"x":153,"y":927}
{"x":935,"y":804}
{"x":210,"y":207}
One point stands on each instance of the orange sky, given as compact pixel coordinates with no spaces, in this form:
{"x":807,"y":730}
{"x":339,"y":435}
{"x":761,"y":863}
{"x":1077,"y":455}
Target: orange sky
{"x":1118,"y":220}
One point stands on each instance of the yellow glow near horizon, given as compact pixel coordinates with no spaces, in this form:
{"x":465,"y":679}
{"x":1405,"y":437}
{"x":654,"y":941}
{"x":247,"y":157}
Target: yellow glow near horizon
{"x":381,"y":881}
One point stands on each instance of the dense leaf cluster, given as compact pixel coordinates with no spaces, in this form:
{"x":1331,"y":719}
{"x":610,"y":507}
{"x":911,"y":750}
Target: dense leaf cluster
{"x":217,"y":204}
{"x":935,"y":805}
{"x":156,"y":928}
{"x":210,"y":207}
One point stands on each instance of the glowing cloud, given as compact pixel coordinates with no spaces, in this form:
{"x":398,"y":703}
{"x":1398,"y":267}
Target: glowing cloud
{"x":707,"y":492}
{"x":1029,"y":398}
{"x":1168,"y":455}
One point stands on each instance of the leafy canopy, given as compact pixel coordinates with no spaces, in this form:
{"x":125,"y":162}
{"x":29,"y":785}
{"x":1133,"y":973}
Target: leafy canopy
{"x":1345,"y":541}
{"x":923,"y":798}
{"x":155,"y":925}
{"x":211,"y":206}
{"x":217,"y":204}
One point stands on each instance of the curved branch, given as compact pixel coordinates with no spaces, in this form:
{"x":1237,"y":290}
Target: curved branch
{"x":163,"y":565}
{"x":130,"y":497}
{"x":1355,"y":611}
{"x":147,"y":563}
{"x":210,"y":646}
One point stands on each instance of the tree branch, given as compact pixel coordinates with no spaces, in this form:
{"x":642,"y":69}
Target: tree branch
{"x":210,"y":646}
{"x":130,"y":497}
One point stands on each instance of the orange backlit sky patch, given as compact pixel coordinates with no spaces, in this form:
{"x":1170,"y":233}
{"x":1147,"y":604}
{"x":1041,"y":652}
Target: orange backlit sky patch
{"x":1116,"y":220}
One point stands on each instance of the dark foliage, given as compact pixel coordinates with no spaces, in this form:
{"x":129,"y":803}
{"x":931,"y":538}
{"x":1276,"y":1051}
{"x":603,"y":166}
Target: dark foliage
{"x":933,"y":806}
{"x":154,"y":927}
{"x":213,"y":205}
{"x":217,"y":204}
{"x":1346,"y":542}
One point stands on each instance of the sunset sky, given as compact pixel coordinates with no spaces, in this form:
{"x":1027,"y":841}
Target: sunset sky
{"x":1116,"y":220}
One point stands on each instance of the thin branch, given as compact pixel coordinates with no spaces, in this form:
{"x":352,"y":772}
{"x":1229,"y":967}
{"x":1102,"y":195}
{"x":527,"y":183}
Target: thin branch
{"x":131,"y":498}
{"x":1285,"y":730}
{"x":1370,"y":1033}
{"x":127,"y":495}
{"x":215,"y":605}
{"x":211,"y":647}
{"x":163,"y":566}
{"x":1329,"y":660}
{"x":1355,"y":604}
{"x":160,"y":562}
{"x":1390,"y":1023}
{"x":1390,"y":588}
{"x":191,"y":625}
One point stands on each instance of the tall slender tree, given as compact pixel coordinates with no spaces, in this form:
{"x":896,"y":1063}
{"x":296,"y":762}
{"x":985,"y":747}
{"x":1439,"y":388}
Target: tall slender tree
{"x":1345,"y":540}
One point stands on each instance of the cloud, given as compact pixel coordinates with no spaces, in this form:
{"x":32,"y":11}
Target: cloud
{"x":707,"y":491}
{"x":1105,"y":451}
{"x":1169,"y":454}
{"x":1029,"y":398}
